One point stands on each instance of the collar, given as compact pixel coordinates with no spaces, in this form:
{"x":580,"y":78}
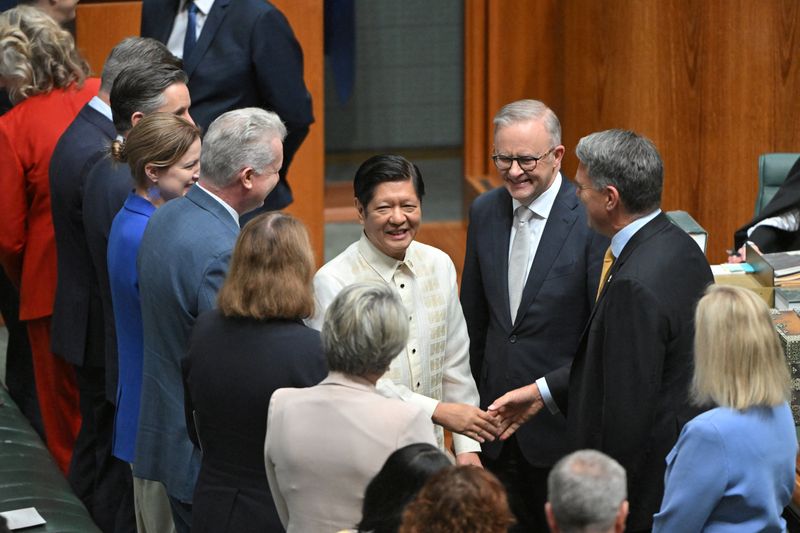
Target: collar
{"x":347,"y":380}
{"x":101,"y":107}
{"x":222,"y":202}
{"x":621,"y":238}
{"x":381,"y":263}
{"x":542,"y":204}
{"x":203,"y":6}
{"x":137,"y":204}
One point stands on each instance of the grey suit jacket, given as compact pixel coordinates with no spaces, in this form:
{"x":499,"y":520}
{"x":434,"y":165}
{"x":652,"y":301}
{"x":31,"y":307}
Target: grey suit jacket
{"x":182,"y":262}
{"x":324,"y":445}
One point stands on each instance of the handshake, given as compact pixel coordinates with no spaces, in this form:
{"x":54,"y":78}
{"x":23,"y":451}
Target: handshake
{"x":503,"y":417}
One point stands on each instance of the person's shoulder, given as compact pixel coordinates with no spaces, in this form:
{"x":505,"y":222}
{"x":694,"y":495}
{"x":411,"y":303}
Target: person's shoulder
{"x":339,"y":264}
{"x":429,"y":253}
{"x":490,"y":200}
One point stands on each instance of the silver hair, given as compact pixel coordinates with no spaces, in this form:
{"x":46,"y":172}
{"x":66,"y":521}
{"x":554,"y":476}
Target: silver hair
{"x":627,"y":161}
{"x":524,"y":110}
{"x":585,"y":490}
{"x":133,"y":50}
{"x":365,"y":328}
{"x":239,"y":139}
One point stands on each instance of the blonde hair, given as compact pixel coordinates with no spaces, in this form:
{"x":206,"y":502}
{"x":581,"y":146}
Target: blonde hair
{"x":271,"y":271}
{"x":739,"y":361}
{"x":160,"y":139}
{"x":36,"y":55}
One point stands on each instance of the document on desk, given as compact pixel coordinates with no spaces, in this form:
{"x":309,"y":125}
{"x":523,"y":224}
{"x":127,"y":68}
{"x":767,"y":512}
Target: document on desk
{"x":22,"y":518}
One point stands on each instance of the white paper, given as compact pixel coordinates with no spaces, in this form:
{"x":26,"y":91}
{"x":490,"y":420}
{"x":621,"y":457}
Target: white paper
{"x":22,"y":518}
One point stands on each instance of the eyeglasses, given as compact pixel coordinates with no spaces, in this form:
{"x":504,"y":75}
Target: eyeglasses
{"x":526,"y":162}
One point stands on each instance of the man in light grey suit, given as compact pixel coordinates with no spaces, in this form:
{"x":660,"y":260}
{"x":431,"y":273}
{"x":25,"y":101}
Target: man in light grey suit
{"x":182,"y":263}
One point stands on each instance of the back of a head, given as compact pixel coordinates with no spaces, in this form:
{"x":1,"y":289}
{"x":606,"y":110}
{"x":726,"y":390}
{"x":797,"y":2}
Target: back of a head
{"x":739,"y":361}
{"x":239,"y":139}
{"x":365,"y":328}
{"x":140,"y":87}
{"x":586,"y":491}
{"x":629,"y":162}
{"x":134,"y":50}
{"x":458,"y":499}
{"x":36,"y":55}
{"x":402,"y":476}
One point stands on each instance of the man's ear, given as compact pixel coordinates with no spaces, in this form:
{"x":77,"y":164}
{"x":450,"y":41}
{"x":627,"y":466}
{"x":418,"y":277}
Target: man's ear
{"x":246,"y":176}
{"x":136,"y":117}
{"x":551,"y":518}
{"x":362,"y":211}
{"x":612,"y":197}
{"x":622,"y":516}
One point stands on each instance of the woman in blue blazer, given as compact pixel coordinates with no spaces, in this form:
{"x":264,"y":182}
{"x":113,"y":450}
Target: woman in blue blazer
{"x":733,"y":467}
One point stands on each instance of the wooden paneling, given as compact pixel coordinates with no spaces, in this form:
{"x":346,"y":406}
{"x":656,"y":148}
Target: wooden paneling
{"x":99,"y":27}
{"x":307,"y":173}
{"x":714,"y":83}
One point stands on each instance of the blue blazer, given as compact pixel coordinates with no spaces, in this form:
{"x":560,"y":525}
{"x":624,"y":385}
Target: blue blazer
{"x":182,"y":263}
{"x":730,"y":471}
{"x":77,"y":327}
{"x":246,"y":56}
{"x":107,"y":186}
{"x":123,"y":247}
{"x":556,"y":301}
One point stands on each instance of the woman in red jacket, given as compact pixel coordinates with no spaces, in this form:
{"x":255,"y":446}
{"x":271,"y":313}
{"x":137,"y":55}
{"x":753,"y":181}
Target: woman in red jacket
{"x":45,"y":77}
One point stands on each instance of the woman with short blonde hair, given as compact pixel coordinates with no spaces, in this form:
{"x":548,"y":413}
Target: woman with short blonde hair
{"x":254,"y":343}
{"x":46,"y":79}
{"x":733,"y":466}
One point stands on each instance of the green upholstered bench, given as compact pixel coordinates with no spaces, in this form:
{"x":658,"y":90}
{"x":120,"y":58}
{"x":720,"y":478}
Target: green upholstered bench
{"x":30,"y":478}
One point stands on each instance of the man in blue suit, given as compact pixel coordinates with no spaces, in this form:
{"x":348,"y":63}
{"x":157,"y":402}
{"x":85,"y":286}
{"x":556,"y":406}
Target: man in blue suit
{"x":530,"y":279}
{"x":102,"y":482}
{"x":237,"y":54}
{"x":182,"y":263}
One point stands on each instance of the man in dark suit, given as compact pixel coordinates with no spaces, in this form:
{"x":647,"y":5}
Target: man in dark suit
{"x":182,"y":262}
{"x":242,"y":53}
{"x":627,"y":393}
{"x":525,"y":311}
{"x":102,"y":482}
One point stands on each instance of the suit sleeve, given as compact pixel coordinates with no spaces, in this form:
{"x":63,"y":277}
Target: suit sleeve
{"x":473,"y":301}
{"x":695,"y":481}
{"x":278,"y":63}
{"x":13,"y":209}
{"x":633,"y":359}
{"x":213,"y":277}
{"x":273,"y":417}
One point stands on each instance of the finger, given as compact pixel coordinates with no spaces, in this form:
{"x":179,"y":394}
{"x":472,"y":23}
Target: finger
{"x":510,"y":431}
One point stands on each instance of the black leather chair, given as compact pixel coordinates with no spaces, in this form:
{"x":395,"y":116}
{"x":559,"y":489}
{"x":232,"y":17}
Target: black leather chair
{"x":30,"y":478}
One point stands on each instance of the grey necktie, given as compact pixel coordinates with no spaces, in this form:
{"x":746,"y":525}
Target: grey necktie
{"x":518,"y":260}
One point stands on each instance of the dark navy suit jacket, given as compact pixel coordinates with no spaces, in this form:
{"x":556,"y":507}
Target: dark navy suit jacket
{"x":556,"y":302}
{"x":246,"y":56}
{"x":183,"y":260}
{"x":107,"y":186}
{"x":77,"y":328}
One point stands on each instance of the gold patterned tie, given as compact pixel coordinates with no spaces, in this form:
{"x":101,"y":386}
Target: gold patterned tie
{"x":608,"y":260}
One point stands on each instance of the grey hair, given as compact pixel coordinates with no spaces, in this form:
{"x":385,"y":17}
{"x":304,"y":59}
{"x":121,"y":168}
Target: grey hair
{"x":524,"y":110}
{"x":627,"y":161}
{"x":131,"y":50}
{"x":365,"y":328}
{"x":585,"y":490}
{"x":235,"y":140}
{"x":140,"y":87}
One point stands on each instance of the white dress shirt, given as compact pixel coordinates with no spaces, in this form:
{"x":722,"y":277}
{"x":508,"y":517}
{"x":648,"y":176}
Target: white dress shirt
{"x":434,"y":366}
{"x":176,"y":37}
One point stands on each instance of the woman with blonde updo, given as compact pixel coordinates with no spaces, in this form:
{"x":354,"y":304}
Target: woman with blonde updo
{"x":163,"y":151}
{"x":46,"y":79}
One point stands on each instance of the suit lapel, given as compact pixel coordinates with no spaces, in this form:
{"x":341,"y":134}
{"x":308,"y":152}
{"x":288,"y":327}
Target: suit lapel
{"x":500,"y":232}
{"x":559,"y":223}
{"x":212,"y":24}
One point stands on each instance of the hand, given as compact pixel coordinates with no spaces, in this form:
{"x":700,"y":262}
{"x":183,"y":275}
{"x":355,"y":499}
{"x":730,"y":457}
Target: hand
{"x":739,"y":256}
{"x":467,"y":420}
{"x":468,"y":458}
{"x":516,"y":407}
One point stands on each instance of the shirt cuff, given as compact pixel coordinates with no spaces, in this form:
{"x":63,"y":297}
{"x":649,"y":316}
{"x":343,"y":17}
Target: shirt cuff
{"x":464,"y":444}
{"x":547,"y":397}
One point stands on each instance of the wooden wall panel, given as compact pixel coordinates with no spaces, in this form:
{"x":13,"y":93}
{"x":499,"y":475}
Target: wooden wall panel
{"x":99,"y":27}
{"x":714,"y":83}
{"x":307,"y":173}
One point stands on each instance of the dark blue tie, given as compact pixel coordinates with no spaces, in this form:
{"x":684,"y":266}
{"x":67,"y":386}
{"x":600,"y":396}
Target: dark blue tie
{"x":191,"y":31}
